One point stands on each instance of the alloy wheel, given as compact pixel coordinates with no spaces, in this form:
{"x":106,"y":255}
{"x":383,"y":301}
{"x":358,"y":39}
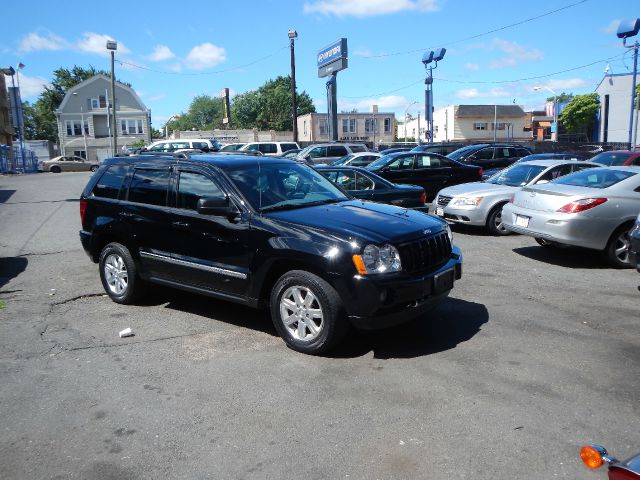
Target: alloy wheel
{"x":115,"y":273}
{"x":301,"y":313}
{"x":621,"y":248}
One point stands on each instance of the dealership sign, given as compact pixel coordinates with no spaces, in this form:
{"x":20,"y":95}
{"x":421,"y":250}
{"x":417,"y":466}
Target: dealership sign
{"x":332,"y":58}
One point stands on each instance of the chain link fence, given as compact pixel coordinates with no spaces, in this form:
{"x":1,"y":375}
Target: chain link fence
{"x":15,"y":160}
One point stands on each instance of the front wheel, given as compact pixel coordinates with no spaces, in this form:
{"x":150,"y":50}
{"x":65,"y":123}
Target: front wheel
{"x":119,"y":274}
{"x":617,"y":250}
{"x":55,"y":169}
{"x":494,"y":222}
{"x":307,"y":312}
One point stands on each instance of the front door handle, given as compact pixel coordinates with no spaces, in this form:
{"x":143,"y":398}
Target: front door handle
{"x":180,"y":224}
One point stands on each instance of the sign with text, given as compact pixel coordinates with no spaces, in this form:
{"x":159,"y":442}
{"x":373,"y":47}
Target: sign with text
{"x":332,"y":58}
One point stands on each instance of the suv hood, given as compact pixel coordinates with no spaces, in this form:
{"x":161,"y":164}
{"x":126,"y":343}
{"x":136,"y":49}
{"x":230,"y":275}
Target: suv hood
{"x":369,"y":222}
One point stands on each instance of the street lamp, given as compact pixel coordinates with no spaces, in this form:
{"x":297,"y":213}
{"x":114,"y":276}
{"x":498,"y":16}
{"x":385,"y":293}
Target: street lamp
{"x":406,"y":110}
{"x":294,"y":101}
{"x":428,"y":57}
{"x":626,"y":30}
{"x":554,"y":135}
{"x":112,"y":46}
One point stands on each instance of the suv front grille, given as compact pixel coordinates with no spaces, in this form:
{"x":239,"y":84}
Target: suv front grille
{"x":425,"y":254}
{"x":443,"y":200}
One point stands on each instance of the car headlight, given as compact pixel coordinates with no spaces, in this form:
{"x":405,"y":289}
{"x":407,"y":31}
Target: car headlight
{"x":473,"y":201}
{"x":376,"y":259}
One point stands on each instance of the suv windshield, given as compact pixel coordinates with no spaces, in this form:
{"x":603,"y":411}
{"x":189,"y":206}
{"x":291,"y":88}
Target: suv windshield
{"x":517,"y":176}
{"x":611,"y":159}
{"x":594,"y":178}
{"x":280,"y":186}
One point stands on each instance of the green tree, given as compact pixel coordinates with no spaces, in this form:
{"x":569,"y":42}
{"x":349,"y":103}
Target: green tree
{"x":563,"y":97}
{"x":204,"y":113}
{"x":269,"y":107}
{"x":578,"y":116}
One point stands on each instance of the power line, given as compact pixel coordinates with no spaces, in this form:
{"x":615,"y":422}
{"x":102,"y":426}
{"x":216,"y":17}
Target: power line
{"x":216,"y":72}
{"x":473,"y":37}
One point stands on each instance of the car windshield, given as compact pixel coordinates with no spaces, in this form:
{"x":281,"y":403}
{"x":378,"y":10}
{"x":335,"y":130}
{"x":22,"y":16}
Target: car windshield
{"x":611,"y":159}
{"x":518,"y":175}
{"x":463,"y":152}
{"x":380,"y":162}
{"x":594,"y":178}
{"x":343,"y":160}
{"x":281,"y":186}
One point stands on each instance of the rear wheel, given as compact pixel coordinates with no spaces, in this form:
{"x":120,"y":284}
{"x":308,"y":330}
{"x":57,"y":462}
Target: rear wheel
{"x":119,"y":274}
{"x":617,"y":250}
{"x":494,"y":222}
{"x":55,"y":169}
{"x":307,"y":312}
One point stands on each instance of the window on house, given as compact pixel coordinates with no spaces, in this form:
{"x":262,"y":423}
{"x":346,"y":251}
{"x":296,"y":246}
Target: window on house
{"x":102,"y":101}
{"x":86,"y":127}
{"x":370,"y":125}
{"x":348,"y":125}
{"x":304,"y":127}
{"x":480,"y":126}
{"x":74,"y":127}
{"x":500,"y":126}
{"x":131,"y":127}
{"x":80,"y":153}
{"x":387,"y":125}
{"x":95,"y":103}
{"x":324,"y":126}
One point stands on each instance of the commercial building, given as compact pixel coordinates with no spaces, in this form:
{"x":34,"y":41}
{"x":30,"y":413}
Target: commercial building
{"x":84,"y":126}
{"x":614,"y":91}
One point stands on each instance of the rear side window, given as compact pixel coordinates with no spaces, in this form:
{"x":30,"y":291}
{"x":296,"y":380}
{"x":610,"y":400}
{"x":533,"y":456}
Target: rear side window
{"x":192,"y":187}
{"x":288,"y":146}
{"x":149,"y":186}
{"x":336,"y":151}
{"x":110,"y":182}
{"x":484,"y":154}
{"x":358,"y":148}
{"x":268,"y":148}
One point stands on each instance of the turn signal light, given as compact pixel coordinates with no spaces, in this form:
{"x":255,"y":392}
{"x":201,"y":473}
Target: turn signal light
{"x":359,"y":263}
{"x":582,"y":205}
{"x":591,"y":457}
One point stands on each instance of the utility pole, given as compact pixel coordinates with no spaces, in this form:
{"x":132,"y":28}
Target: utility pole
{"x":294,"y":101}
{"x":113,"y":46}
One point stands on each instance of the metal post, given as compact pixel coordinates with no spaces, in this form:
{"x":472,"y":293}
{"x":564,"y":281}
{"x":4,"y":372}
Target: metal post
{"x":635,"y":132}
{"x":114,"y":128}
{"x":84,"y":134}
{"x":633,"y":92}
{"x":495,"y":122}
{"x":294,"y":100}
{"x":419,"y":140}
{"x":332,"y":106}
{"x":554,"y":135}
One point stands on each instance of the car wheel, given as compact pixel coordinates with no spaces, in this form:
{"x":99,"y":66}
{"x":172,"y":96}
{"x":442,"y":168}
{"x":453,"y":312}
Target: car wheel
{"x":93,"y":168}
{"x":119,"y":274}
{"x":307,"y":312}
{"x":494,"y":222}
{"x":55,"y":169}
{"x":617,"y":250}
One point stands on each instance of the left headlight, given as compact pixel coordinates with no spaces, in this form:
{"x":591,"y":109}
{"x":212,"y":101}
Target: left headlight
{"x":376,"y":259}
{"x":473,"y":201}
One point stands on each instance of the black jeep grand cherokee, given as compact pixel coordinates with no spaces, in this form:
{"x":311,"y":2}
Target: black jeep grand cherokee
{"x":265,"y":232}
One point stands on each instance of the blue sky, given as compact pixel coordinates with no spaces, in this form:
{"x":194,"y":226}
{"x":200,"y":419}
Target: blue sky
{"x":172,"y":51}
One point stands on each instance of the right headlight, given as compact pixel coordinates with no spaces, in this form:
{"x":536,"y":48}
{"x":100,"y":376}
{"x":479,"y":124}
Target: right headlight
{"x":466,"y":201}
{"x":376,"y":259}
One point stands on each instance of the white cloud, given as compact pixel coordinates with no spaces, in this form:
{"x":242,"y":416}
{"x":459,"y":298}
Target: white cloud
{"x":612,"y":27}
{"x":92,"y":42}
{"x":472,"y":67}
{"x":568,"y":83}
{"x":155,"y":98}
{"x":516,"y":53}
{"x":175,"y":67}
{"x":34,"y":42}
{"x":469,"y":93}
{"x":385,"y":104}
{"x":31,"y":86}
{"x":205,"y":55}
{"x":368,"y":8}
{"x":161,"y":53}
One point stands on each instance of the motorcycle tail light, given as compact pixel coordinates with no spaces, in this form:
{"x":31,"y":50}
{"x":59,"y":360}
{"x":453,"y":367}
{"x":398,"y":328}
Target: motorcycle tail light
{"x":591,"y":457}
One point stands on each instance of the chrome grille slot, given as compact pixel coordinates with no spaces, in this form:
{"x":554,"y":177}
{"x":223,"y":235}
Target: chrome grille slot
{"x":426,"y":254}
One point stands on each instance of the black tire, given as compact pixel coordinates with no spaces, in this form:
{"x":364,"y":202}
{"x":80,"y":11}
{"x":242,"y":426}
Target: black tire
{"x":494,"y":222}
{"x":330,"y":328}
{"x":55,"y":169}
{"x":617,"y":250}
{"x":93,"y":168}
{"x":119,"y":274}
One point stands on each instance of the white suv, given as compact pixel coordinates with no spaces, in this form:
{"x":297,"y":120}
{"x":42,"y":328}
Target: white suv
{"x":271,"y":149}
{"x":178,"y":144}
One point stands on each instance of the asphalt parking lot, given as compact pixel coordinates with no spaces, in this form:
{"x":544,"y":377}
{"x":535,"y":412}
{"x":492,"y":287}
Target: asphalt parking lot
{"x":536,"y":352}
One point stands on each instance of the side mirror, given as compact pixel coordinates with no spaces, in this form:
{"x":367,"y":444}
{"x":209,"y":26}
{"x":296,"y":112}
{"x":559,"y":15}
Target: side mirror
{"x":220,"y":207}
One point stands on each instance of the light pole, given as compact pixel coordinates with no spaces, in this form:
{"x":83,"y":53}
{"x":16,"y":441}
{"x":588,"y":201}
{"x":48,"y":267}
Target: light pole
{"x":294,"y":101}
{"x":166,"y":125}
{"x":627,"y":30}
{"x":554,"y":135}
{"x":113,"y":46}
{"x":406,"y":111}
{"x":427,"y":58}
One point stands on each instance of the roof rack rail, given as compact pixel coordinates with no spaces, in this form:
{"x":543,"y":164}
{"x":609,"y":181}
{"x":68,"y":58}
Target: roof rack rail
{"x":164,"y":154}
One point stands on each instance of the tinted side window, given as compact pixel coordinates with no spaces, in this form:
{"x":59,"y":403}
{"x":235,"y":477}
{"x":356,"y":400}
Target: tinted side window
{"x":358,"y":148}
{"x":346,"y":180}
{"x":318,"y":152}
{"x":288,"y":146}
{"x":149,"y":186}
{"x":402,"y":163}
{"x":336,"y":151}
{"x":427,"y":161}
{"x":522,"y":152}
{"x":194,"y":186}
{"x":364,"y":183}
{"x":268,"y":148}
{"x":110,"y":182}
{"x":484,"y":154}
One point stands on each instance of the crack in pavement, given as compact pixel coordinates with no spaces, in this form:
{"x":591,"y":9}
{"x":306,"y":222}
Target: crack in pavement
{"x":34,"y":254}
{"x":151,"y":340}
{"x":73,"y":299}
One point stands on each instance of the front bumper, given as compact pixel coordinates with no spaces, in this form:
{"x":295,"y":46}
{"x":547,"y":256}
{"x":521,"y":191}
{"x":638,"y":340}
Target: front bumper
{"x":467,"y":215}
{"x":379,"y":301}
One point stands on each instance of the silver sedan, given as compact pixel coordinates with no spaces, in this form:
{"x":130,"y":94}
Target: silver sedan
{"x":593,"y":208}
{"x":480,"y":203}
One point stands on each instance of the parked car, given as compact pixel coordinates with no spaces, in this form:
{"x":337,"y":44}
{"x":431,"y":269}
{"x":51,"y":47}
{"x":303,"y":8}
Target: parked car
{"x":540,"y":156}
{"x":394,"y":150}
{"x":68,"y":164}
{"x":231,"y":147}
{"x":170,"y":146}
{"x":593,"y":208}
{"x":594,"y":456}
{"x":359,"y":159}
{"x":428,"y":170}
{"x":442,"y":148}
{"x":270,"y":149}
{"x":328,"y":152}
{"x":291,"y":153}
{"x":366,"y":185}
{"x":617,"y":158}
{"x":490,"y":156}
{"x":480,"y":203}
{"x":263,"y":231}
{"x":634,"y":245}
